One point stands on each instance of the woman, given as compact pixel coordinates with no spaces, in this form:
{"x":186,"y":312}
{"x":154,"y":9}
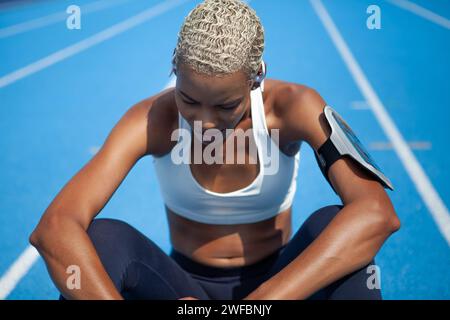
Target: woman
{"x":230,"y":222}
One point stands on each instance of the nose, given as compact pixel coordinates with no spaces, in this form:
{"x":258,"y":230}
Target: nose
{"x":208,"y":119}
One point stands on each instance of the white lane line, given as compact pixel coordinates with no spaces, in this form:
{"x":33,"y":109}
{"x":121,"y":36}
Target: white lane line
{"x":88,"y":42}
{"x":55,"y":17}
{"x":17,"y":270}
{"x":25,"y":261}
{"x":414,"y":145}
{"x":431,"y":198}
{"x":422,"y":12}
{"x":420,"y":145}
{"x":359,"y":105}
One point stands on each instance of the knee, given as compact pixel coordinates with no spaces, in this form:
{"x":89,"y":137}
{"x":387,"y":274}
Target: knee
{"x":110,"y":233}
{"x":116,"y":237}
{"x":319,"y":219}
{"x":106,"y":226}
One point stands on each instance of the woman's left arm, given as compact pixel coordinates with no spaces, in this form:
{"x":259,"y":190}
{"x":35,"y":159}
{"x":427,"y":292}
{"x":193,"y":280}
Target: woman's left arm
{"x":354,"y":236}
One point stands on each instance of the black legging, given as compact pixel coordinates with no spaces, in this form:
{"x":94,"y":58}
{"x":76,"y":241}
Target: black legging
{"x":141,"y":270}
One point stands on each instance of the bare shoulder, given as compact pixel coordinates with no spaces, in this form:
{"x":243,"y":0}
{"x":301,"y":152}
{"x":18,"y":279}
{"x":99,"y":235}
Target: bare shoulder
{"x":298,"y":109}
{"x":289,"y":97}
{"x":154,"y":118}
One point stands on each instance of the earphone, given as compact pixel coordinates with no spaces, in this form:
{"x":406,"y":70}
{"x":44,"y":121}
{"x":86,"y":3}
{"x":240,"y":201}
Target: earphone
{"x":259,"y":78}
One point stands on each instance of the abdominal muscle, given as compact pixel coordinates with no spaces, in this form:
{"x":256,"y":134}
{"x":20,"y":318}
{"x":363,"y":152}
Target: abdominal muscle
{"x":227,"y":246}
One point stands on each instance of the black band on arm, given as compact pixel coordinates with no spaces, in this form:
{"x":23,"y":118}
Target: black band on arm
{"x":326,"y":155}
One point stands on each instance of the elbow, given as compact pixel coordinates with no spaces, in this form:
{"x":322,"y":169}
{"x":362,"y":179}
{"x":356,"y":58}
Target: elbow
{"x":385,"y":219}
{"x":394,"y":223}
{"x":45,"y":232}
{"x":36,"y":238}
{"x":380,"y":222}
{"x":390,"y":224}
{"x":33,"y":239}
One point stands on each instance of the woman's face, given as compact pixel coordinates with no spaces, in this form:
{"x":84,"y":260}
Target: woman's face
{"x":218,"y":102}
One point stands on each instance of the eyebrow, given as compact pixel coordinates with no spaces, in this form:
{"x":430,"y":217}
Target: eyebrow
{"x":222,"y":104}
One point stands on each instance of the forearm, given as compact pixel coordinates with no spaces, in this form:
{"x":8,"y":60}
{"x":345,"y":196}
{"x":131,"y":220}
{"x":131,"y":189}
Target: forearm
{"x":348,"y":243}
{"x":66,"y":244}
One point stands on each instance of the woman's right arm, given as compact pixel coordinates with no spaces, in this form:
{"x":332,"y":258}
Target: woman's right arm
{"x":61,"y":237}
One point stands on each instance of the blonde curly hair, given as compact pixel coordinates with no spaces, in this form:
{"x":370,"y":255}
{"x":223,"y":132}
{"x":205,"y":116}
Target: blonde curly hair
{"x":220,"y":37}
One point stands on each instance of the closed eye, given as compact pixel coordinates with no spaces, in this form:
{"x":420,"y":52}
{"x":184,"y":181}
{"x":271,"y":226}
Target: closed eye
{"x":189,"y":102}
{"x":229,"y":107}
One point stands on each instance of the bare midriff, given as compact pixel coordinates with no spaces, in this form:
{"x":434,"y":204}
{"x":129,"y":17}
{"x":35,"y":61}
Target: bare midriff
{"x":229,"y":245}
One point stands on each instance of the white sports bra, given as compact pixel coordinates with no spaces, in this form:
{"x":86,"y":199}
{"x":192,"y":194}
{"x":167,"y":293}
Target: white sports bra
{"x":269,"y":194}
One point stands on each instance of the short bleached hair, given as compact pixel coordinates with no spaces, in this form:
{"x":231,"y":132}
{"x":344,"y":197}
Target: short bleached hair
{"x":220,"y":37}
